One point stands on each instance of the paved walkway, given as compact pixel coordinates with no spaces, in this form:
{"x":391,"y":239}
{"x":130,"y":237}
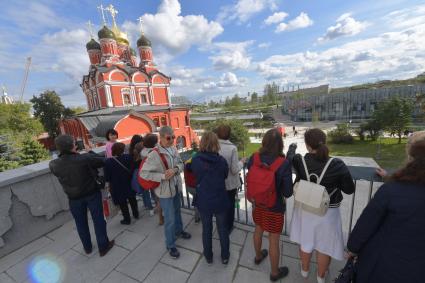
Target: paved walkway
{"x":139,"y":256}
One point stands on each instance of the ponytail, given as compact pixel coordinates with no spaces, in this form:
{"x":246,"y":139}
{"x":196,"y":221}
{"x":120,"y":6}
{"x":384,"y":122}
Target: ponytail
{"x":322,"y":152}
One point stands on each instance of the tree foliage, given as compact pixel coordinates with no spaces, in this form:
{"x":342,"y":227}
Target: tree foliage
{"x":15,"y":119}
{"x":32,"y":152}
{"x":394,"y":115}
{"x":270,"y":95}
{"x":341,"y":134}
{"x":254,"y":97}
{"x":239,"y":134}
{"x":49,"y":109}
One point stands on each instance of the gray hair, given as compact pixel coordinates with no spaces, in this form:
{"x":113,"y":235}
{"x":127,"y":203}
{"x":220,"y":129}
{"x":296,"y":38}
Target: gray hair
{"x":166,"y":130}
{"x":64,"y":143}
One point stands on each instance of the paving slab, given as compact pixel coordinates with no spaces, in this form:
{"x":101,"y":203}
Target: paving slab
{"x":64,"y":230}
{"x":217,"y":272}
{"x":245,"y":275}
{"x":95,"y":269}
{"x":116,"y":277}
{"x":186,"y":262}
{"x":4,"y":278}
{"x":295,"y":271}
{"x":128,"y":240}
{"x":143,"y":259}
{"x":165,"y":274}
{"x":19,"y":255}
{"x":195,"y":243}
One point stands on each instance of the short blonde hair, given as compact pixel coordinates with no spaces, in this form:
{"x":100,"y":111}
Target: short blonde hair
{"x":414,"y":138}
{"x":209,"y":143}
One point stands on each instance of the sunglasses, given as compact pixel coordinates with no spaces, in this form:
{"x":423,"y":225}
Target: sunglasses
{"x":170,"y":138}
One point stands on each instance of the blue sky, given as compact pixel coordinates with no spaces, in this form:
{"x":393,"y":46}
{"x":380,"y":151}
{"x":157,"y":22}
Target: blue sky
{"x":212,"y":49}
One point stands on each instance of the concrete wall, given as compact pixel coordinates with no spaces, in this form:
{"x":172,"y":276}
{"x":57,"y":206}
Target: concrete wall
{"x":32,"y":203}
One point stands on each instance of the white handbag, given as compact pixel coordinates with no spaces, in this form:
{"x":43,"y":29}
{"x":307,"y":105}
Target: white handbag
{"x":313,"y":197}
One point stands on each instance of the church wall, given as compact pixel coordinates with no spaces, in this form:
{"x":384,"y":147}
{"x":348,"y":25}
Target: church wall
{"x":160,"y":94}
{"x":132,"y":125}
{"x":102,"y":96}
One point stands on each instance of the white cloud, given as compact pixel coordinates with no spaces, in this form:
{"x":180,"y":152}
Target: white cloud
{"x":243,"y":10}
{"x":407,"y":17}
{"x":301,"y":21}
{"x":345,"y":25}
{"x":227,"y":80}
{"x":390,"y":55}
{"x":264,"y":45}
{"x":171,"y":33}
{"x":275,"y":18}
{"x":231,"y":55}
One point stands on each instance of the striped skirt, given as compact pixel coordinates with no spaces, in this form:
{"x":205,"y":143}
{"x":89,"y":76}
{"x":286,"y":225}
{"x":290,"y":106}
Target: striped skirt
{"x":269,"y":221}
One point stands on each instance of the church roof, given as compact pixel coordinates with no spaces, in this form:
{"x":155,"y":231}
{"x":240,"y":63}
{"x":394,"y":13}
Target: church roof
{"x":126,"y":110}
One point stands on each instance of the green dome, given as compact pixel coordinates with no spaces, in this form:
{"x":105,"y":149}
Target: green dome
{"x":106,"y":33}
{"x":133,"y":52}
{"x":143,"y":41}
{"x":92,"y":44}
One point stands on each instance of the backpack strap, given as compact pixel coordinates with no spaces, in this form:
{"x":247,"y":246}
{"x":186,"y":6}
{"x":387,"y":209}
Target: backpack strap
{"x":324,"y":170}
{"x":162,"y":157}
{"x":305,"y":168}
{"x":277,"y":163}
{"x":122,"y":165}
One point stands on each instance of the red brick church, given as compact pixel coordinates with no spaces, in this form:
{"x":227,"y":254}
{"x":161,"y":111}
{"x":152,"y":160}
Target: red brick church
{"x":121,"y":94}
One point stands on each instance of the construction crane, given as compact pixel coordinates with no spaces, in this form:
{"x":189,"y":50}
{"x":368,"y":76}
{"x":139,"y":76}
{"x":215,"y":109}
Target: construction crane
{"x":24,"y":81}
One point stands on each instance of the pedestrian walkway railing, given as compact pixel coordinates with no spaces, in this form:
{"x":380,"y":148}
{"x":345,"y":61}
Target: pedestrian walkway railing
{"x":365,"y":179}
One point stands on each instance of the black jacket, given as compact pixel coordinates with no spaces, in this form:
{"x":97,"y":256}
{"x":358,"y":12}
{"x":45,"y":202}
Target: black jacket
{"x":389,"y":236}
{"x":337,"y":176}
{"x":76,"y":173}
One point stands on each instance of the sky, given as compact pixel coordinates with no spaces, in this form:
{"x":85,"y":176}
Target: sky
{"x":212,"y":49}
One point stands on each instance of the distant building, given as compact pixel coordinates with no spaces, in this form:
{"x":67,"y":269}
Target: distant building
{"x":5,"y":99}
{"x":123,"y":95}
{"x":347,"y":105}
{"x":318,"y":90}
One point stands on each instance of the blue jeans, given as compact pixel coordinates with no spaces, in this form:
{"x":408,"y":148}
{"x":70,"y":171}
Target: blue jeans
{"x":173,"y":225}
{"x":223,"y":232}
{"x":78,"y":210}
{"x":147,"y":201}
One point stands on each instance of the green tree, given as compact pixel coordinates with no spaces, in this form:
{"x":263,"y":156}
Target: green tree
{"x":254,"y":97}
{"x":49,"y":109}
{"x":32,"y":152}
{"x":395,"y":115}
{"x":235,"y":101}
{"x":238,"y":135}
{"x":15,"y":119}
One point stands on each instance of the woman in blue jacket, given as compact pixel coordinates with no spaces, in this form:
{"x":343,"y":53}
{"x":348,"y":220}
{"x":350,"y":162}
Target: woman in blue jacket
{"x":118,"y":174}
{"x":210,"y":170}
{"x":389,"y":236}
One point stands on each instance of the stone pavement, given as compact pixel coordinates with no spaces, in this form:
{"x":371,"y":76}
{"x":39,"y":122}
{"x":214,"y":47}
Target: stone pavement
{"x":139,"y":256}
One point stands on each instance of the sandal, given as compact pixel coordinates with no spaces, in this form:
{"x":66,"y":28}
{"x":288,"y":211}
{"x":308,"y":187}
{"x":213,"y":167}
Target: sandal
{"x":264,"y":254}
{"x":283,"y":271}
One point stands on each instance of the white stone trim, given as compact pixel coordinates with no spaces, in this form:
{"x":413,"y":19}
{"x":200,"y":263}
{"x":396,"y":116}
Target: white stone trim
{"x":122,"y":96}
{"x":118,"y":71}
{"x":109,"y":101}
{"x":145,"y":93}
{"x":133,"y":95}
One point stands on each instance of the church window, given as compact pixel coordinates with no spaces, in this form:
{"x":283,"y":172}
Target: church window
{"x":143,"y":96}
{"x":156,"y":121}
{"x":186,"y":120}
{"x":176,"y":120}
{"x":126,"y":96}
{"x":163,"y":121}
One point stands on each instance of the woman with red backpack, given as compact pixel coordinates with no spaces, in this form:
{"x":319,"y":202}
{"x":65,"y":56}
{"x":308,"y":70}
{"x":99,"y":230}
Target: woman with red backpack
{"x":269,"y":181}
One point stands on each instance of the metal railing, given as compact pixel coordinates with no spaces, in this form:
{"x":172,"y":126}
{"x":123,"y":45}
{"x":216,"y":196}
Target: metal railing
{"x":359,"y":199}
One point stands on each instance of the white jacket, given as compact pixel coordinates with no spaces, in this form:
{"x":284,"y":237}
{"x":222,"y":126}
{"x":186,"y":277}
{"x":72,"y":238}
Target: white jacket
{"x":229,"y":151}
{"x":154,"y":170}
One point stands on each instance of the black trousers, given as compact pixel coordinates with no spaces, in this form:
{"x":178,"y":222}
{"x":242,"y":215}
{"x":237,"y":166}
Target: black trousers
{"x":134,"y":208}
{"x":231,"y":211}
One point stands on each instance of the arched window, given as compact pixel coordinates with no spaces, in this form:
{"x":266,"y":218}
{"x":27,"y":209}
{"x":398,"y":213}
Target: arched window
{"x":186,"y":120}
{"x":163,"y":121}
{"x":126,"y":97}
{"x":156,"y":121}
{"x":176,"y":121}
{"x":143,"y":96}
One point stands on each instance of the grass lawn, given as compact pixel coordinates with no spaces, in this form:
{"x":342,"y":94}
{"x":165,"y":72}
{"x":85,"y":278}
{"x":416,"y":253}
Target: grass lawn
{"x":393,"y":154}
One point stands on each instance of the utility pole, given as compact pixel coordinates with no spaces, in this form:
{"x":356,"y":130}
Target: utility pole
{"x":24,"y":81}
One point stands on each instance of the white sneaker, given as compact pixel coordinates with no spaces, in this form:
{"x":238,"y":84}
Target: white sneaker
{"x":320,"y":279}
{"x":151,"y":212}
{"x":304,"y":274}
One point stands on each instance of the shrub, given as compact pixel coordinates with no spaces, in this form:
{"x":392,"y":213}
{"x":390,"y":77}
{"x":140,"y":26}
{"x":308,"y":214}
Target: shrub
{"x":341,"y":134}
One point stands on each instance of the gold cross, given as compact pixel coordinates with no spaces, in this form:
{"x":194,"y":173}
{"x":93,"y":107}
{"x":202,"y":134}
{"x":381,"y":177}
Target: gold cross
{"x":90,"y":26}
{"x":140,"y":19}
{"x":101,"y":9}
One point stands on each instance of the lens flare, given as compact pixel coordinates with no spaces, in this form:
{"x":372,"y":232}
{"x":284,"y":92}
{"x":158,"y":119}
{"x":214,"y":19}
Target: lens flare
{"x":46,"y":269}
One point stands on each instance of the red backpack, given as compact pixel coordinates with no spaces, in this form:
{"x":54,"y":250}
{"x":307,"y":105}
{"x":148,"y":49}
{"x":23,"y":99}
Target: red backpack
{"x":149,"y":184}
{"x":261,"y":187}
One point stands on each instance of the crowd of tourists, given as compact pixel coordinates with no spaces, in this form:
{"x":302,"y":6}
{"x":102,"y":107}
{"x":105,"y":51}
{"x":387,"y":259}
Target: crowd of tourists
{"x":386,"y":243}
